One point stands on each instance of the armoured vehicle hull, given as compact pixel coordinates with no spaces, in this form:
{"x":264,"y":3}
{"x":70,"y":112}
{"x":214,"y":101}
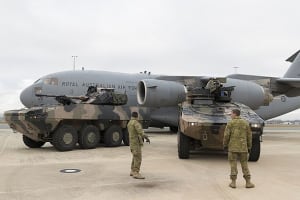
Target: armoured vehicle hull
{"x":204,"y":116}
{"x":66,"y":125}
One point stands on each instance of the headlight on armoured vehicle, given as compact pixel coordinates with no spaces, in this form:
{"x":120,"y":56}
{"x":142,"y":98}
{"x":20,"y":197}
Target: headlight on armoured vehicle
{"x":192,"y":123}
{"x":255,"y":125}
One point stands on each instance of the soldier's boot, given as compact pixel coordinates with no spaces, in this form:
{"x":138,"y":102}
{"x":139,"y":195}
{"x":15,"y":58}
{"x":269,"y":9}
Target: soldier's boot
{"x":248,"y":182}
{"x":233,"y":182}
{"x":138,"y":176}
{"x":131,"y":173}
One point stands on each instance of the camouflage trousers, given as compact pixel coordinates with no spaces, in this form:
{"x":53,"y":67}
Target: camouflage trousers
{"x":233,"y":157}
{"x":136,"y":158}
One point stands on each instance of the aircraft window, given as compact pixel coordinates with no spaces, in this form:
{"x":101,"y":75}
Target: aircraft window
{"x":38,"y":81}
{"x":51,"y":81}
{"x":37,"y":90}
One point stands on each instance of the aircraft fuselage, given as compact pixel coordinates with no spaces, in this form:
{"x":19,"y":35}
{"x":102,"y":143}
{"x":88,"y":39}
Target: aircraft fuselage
{"x":75,"y":83}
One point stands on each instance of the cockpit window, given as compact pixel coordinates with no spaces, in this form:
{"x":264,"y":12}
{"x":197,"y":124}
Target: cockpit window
{"x":37,"y":90}
{"x":51,"y":81}
{"x":38,"y":81}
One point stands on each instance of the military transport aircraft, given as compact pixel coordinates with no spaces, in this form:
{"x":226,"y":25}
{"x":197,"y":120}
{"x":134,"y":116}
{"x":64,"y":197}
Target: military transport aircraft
{"x":269,"y":97}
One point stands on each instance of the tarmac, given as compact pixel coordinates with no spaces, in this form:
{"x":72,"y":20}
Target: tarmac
{"x":103,"y":173}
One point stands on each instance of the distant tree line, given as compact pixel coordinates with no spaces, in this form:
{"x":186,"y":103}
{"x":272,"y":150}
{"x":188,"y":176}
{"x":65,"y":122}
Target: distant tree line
{"x":278,"y":121}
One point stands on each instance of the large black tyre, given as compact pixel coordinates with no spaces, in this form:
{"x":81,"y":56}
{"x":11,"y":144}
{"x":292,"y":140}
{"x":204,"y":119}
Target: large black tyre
{"x":255,"y":150}
{"x":65,"y":138}
{"x":89,"y":137}
{"x":113,"y":136}
{"x":125,"y":137}
{"x":32,"y":143}
{"x":183,"y":143}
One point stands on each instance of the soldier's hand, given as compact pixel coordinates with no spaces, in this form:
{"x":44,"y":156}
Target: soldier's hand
{"x":147,"y":139}
{"x":225,"y":148}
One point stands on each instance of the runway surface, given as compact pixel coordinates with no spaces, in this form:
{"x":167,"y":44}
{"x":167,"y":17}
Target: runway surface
{"x":29,"y":174}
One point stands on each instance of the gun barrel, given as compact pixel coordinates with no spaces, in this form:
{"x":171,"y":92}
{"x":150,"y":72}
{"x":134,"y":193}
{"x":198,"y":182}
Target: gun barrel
{"x":61,"y":96}
{"x":48,"y":95}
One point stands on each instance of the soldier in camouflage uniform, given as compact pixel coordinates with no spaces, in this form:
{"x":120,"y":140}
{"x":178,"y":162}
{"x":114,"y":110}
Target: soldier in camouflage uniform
{"x":238,"y":139}
{"x":136,"y":140}
{"x":212,"y":85}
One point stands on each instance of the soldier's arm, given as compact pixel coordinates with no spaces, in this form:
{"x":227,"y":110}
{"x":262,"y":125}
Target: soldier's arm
{"x":139,"y":129}
{"x":141,"y":133}
{"x":227,"y":135}
{"x":249,"y":137}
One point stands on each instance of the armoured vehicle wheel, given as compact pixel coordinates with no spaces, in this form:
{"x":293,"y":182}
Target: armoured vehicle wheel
{"x":65,"y":138}
{"x":125,"y":137}
{"x":183,"y":146}
{"x":88,"y":137}
{"x":31,"y":143}
{"x":113,"y":136}
{"x":255,"y":150}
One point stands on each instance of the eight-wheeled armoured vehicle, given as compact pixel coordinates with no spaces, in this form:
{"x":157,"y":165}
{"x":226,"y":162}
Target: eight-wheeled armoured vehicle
{"x":99,"y":116}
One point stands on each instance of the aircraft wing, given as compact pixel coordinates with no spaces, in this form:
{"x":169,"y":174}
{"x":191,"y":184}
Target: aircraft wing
{"x":276,"y":85}
{"x":292,"y":82}
{"x":288,"y":82}
{"x":182,"y":79}
{"x":191,"y":80}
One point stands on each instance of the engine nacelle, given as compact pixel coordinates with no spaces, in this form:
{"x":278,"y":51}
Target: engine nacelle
{"x":159,"y":93}
{"x":249,"y":93}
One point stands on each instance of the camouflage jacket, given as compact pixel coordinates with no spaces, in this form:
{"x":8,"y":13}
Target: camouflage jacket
{"x":136,"y":133}
{"x":238,"y":135}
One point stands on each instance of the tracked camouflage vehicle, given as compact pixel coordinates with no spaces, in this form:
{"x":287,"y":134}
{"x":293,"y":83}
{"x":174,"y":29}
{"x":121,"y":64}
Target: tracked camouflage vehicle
{"x":203,"y":118}
{"x":99,"y":116}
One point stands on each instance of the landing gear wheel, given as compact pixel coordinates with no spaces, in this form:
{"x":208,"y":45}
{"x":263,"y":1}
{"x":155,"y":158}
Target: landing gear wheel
{"x":32,"y":143}
{"x":65,"y":138}
{"x":255,"y":150}
{"x":113,"y":136}
{"x":89,"y":137}
{"x":183,"y":143}
{"x":125,"y":137}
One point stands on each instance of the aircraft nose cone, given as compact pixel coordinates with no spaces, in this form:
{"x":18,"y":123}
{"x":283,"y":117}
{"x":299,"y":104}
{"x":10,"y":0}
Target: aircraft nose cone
{"x":26,"y":96}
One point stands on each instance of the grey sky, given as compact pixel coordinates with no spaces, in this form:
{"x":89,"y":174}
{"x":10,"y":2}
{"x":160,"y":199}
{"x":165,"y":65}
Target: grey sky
{"x":201,"y":37}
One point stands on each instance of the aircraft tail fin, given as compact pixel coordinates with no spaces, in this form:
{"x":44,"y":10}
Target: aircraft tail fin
{"x":288,"y":85}
{"x":294,"y":69}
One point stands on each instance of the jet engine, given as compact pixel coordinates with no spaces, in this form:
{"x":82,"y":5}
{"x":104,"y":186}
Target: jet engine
{"x":159,"y":93}
{"x":249,"y":93}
